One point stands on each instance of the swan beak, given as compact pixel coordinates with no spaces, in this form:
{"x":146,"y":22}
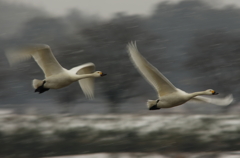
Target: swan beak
{"x":214,"y":93}
{"x":103,"y":74}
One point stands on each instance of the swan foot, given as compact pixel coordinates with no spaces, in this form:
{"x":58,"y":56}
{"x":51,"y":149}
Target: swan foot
{"x":154,"y":107}
{"x":41,"y":88}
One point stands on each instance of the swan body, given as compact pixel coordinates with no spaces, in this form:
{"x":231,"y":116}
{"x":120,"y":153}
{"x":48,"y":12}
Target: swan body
{"x":168,"y":95}
{"x":56,"y":76}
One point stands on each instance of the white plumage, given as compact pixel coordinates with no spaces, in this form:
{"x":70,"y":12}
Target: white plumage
{"x":55,"y":75}
{"x":169,"y":95}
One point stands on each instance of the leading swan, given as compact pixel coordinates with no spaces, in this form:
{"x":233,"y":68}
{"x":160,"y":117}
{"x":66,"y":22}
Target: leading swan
{"x":169,"y":95}
{"x":55,"y":75}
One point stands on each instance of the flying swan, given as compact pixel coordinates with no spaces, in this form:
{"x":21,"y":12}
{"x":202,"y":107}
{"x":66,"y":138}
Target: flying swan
{"x":169,"y":96}
{"x":55,"y":75}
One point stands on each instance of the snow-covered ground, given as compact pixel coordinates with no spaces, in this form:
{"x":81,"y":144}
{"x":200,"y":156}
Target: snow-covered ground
{"x":128,"y":133}
{"x":205,"y":125}
{"x":154,"y":155}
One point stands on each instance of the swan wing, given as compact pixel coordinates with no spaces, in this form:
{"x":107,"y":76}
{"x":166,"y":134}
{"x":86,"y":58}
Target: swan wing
{"x":217,"y":101}
{"x":162,"y":85}
{"x":41,"y":53}
{"x":87,"y":84}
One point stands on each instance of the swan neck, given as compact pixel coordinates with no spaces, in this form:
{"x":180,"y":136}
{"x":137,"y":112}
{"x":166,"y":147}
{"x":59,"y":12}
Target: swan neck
{"x":78,"y":77}
{"x":197,"y":93}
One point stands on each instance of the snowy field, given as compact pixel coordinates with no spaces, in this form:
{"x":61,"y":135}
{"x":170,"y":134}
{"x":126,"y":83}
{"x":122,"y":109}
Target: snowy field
{"x":122,"y":136}
{"x":149,"y":155}
{"x":205,"y":125}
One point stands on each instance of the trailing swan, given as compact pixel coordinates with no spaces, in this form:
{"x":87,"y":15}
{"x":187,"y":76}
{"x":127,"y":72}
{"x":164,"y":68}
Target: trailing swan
{"x":55,"y":75}
{"x":169,"y":95}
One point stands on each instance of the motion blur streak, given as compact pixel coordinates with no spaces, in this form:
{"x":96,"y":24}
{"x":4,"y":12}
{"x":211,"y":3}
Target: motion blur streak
{"x":195,"y":45}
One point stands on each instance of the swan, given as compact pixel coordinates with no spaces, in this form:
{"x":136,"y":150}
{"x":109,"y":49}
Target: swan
{"x":168,"y":95}
{"x":55,"y":75}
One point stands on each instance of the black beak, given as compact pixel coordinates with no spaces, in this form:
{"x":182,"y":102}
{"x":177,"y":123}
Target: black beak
{"x":215,"y":93}
{"x":103,"y":74}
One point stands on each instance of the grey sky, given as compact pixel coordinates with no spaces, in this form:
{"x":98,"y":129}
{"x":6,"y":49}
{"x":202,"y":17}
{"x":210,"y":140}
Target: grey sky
{"x":106,"y":8}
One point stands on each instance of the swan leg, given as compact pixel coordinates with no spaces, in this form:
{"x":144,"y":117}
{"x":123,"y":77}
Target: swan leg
{"x":41,"y":88}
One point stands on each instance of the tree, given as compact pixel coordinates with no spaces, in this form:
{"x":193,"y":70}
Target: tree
{"x":51,"y":31}
{"x":214,"y":57}
{"x":105,"y":45}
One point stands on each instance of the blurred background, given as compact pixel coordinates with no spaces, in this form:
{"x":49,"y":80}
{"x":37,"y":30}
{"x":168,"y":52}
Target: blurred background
{"x":194,"y":43}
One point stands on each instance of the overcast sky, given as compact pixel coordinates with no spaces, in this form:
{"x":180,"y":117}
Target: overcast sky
{"x":106,"y":8}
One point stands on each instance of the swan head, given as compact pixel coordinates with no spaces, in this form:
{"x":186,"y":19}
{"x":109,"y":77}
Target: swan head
{"x":98,"y":74}
{"x":211,"y":92}
{"x":152,"y":104}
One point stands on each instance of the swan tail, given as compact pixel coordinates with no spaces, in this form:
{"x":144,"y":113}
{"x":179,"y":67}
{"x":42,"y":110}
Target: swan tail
{"x":150,"y":103}
{"x":36,"y":83}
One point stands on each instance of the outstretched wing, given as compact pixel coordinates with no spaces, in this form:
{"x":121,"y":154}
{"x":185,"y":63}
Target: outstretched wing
{"x":41,"y":53}
{"x":217,"y":101}
{"x":162,"y":85}
{"x":87,"y":84}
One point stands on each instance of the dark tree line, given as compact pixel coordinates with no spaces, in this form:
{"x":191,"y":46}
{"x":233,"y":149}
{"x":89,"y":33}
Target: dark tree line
{"x":105,"y":45}
{"x":214,"y":57}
